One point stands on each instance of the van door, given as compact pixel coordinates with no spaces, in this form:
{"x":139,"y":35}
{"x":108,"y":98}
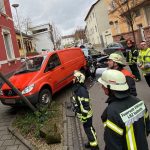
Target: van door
{"x":55,"y":72}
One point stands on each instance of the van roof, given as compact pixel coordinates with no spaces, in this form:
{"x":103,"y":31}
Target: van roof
{"x":58,"y":51}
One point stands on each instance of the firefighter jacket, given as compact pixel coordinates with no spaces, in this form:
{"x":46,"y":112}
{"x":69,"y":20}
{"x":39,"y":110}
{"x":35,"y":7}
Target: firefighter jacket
{"x":126,"y":122}
{"x":130,"y":81}
{"x":131,"y":55}
{"x":144,"y":60}
{"x":82,"y":102}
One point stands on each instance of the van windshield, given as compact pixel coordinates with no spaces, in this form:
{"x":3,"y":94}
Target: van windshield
{"x":31,"y":65}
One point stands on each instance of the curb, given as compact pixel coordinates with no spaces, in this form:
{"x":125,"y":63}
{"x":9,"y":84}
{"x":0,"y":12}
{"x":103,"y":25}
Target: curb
{"x":21,"y":138}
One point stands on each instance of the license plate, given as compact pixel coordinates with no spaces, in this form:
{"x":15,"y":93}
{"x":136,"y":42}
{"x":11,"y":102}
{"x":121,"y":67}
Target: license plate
{"x":10,"y":101}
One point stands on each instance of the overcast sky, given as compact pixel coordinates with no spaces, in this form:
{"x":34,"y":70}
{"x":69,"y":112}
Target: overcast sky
{"x":65,"y":14}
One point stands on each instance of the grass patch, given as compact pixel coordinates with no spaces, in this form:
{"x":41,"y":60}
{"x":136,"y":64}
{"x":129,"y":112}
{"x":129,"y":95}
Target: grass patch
{"x":28,"y":122}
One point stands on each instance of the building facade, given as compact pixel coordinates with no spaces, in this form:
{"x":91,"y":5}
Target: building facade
{"x":67,"y":41}
{"x":42,"y":37}
{"x":140,"y":15}
{"x":9,"y":55}
{"x":28,"y":44}
{"x":96,"y":23}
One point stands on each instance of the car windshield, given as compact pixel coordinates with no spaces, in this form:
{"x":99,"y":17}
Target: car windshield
{"x":31,"y":65}
{"x":88,"y":52}
{"x":94,"y":52}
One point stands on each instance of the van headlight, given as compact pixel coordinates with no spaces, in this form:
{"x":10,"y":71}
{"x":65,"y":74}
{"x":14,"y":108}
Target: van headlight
{"x":28,"y":89}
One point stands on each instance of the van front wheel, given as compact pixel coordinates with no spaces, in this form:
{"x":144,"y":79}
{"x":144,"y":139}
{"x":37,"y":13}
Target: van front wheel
{"x":45,"y":97}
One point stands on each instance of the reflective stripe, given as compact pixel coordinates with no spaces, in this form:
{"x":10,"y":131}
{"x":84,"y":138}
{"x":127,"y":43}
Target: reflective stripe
{"x":114,"y":127}
{"x":104,"y":124}
{"x":95,"y":142}
{"x":131,"y":143}
{"x":83,"y":99}
{"x":146,"y":115}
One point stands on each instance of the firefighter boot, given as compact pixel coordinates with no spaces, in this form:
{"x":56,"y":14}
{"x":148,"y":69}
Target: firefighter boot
{"x":88,"y":146}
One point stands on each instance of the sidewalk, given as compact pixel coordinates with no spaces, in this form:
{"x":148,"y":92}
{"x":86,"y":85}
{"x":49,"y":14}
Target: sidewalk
{"x":7,"y":140}
{"x":72,"y":128}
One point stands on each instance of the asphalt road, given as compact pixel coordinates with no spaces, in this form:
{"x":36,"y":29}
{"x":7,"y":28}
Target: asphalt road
{"x":98,"y":104}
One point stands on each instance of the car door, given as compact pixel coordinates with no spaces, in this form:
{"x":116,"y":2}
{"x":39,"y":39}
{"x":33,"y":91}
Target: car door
{"x":55,"y":72}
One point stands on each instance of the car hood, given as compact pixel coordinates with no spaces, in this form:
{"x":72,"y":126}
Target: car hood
{"x":20,"y":81}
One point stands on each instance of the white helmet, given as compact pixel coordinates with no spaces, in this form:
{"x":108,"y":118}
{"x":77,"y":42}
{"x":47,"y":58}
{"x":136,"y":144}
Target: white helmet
{"x":114,"y":79}
{"x":117,"y":58}
{"x":79,"y":76}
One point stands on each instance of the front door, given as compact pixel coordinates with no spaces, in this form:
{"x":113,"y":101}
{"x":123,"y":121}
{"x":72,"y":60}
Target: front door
{"x":55,"y":72}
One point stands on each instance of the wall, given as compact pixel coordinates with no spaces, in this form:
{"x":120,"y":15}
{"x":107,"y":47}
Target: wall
{"x":128,"y":35}
{"x":6,"y":22}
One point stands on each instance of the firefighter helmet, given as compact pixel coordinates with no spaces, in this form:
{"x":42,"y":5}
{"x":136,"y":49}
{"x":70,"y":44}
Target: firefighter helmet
{"x":117,"y":58}
{"x":80,"y":77}
{"x":113,"y":79}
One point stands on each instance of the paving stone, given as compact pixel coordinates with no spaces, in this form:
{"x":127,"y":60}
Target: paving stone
{"x":1,"y":142}
{"x":14,"y":147}
{"x":3,"y":147}
{"x":6,"y":137}
{"x":22,"y":147}
{"x":3,"y":128}
{"x":18,"y":142}
{"x":2,"y":132}
{"x":9,"y":142}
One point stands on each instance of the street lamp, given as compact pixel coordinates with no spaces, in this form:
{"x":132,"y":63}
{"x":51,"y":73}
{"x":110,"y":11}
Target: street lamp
{"x":22,"y":43}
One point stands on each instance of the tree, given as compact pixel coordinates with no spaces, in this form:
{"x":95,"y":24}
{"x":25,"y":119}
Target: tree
{"x":55,"y":36}
{"x":126,"y":11}
{"x":25,"y":24}
{"x":80,"y":35}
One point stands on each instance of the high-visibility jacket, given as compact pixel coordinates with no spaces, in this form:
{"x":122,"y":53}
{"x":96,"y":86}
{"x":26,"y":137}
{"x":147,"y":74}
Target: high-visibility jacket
{"x":144,"y":60}
{"x":131,"y":55}
{"x":82,"y":102}
{"x":127,"y":124}
{"x":130,"y":81}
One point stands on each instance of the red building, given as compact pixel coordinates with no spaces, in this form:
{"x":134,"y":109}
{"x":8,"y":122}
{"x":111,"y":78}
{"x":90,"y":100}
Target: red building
{"x":9,"y":51}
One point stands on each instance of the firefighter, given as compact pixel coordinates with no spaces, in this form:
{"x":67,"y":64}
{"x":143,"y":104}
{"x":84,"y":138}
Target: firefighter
{"x":83,"y":109}
{"x":144,"y":61}
{"x":126,"y":118}
{"x":117,"y":62}
{"x":131,"y":58}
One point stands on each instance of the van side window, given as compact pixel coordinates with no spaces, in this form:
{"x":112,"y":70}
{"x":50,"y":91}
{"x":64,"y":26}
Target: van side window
{"x":53,"y":62}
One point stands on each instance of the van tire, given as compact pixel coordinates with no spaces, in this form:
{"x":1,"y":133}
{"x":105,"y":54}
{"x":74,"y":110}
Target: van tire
{"x":45,"y":97}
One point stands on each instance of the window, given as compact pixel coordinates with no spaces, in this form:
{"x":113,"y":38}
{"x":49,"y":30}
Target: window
{"x":116,"y":26}
{"x":93,"y":14}
{"x":95,"y":28}
{"x":2,"y":7}
{"x":147,"y":12}
{"x":113,"y":5}
{"x":19,"y":44}
{"x":137,"y":13}
{"x":8,"y":44}
{"x":54,"y":60}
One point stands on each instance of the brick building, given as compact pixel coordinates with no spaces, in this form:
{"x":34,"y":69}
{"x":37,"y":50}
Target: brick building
{"x":140,"y":10}
{"x":9,"y":51}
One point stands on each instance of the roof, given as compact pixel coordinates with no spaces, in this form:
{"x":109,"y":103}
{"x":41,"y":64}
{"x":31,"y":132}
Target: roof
{"x":40,"y":25}
{"x":23,"y":34}
{"x":91,"y":9}
{"x":67,"y":36}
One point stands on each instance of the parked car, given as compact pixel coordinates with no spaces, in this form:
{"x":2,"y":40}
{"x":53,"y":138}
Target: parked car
{"x":91,"y":56}
{"x":113,"y":47}
{"x":41,"y":76}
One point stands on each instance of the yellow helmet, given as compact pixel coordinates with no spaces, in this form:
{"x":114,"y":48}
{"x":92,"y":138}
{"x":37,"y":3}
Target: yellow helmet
{"x":117,"y":58}
{"x":79,"y":76}
{"x":114,"y":79}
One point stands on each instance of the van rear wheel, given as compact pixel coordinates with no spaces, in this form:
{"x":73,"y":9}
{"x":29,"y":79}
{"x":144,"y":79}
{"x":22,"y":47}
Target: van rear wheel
{"x":45,"y":97}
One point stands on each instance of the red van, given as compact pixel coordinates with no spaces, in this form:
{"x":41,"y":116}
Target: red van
{"x":41,"y":76}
